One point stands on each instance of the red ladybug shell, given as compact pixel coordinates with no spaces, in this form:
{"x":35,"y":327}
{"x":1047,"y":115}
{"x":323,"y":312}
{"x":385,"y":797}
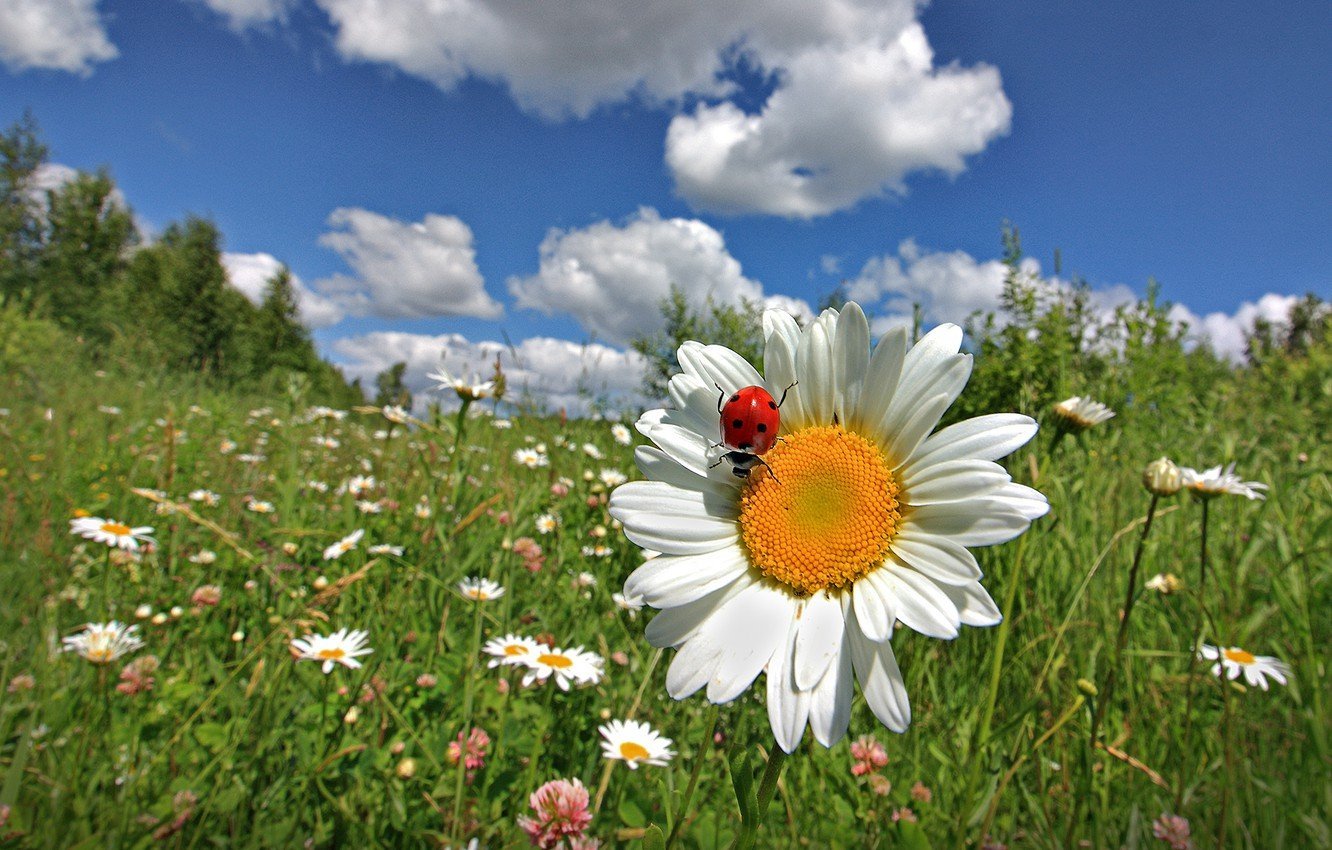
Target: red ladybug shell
{"x":749,"y":421}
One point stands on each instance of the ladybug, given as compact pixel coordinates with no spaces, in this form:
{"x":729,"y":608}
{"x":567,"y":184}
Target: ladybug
{"x":749,"y":422}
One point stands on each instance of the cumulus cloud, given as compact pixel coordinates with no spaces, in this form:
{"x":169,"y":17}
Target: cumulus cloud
{"x":405,"y":269}
{"x":612,"y":278}
{"x":850,"y":121}
{"x":241,"y":14}
{"x":250,"y":273}
{"x":555,"y":373}
{"x":1226,"y":332}
{"x":63,"y":35}
{"x":857,"y":103}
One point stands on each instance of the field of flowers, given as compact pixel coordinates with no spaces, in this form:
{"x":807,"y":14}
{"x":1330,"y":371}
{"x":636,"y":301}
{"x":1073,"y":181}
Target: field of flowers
{"x":262,"y":623}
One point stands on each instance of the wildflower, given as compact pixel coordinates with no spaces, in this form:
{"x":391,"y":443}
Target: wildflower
{"x":251,"y":458}
{"x":869,"y":755}
{"x":530,"y":458}
{"x":176,"y":612}
{"x":585,"y":579}
{"x":259,"y":506}
{"x":879,"y":784}
{"x":109,"y":410}
{"x":203,"y":556}
{"x":325,"y":442}
{"x":1232,"y":661}
{"x":560,"y":813}
{"x":472,"y":751}
{"x":205,"y":497}
{"x":635,"y":743}
{"x":565,"y":666}
{"x":102,"y":643}
{"x":208,"y":594}
{"x":1080,"y":413}
{"x":1164,"y":583}
{"x":1217,"y":481}
{"x":422,"y":509}
{"x":115,"y":534}
{"x":612,"y":477}
{"x":321,"y":412}
{"x":385,"y":549}
{"x":237,"y":636}
{"x":480,"y":589}
{"x":904,"y":813}
{"x":21,"y":682}
{"x":1162,"y":477}
{"x":591,"y":450}
{"x":1174,"y":830}
{"x":510,"y":649}
{"x":546,"y":523}
{"x":632,"y":604}
{"x":467,"y":391}
{"x":341,"y":647}
{"x":395,"y":414}
{"x":921,"y":793}
{"x":316,"y":486}
{"x":406,"y":768}
{"x":343,"y":546}
{"x":143,"y":612}
{"x":501,"y":424}
{"x":366,"y":506}
{"x":859,"y":519}
{"x":427,"y":680}
{"x":621,"y":434}
{"x":358,"y":485}
{"x":137,"y":676}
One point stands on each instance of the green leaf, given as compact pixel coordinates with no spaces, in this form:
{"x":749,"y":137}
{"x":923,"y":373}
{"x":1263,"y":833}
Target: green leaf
{"x":911,"y":837}
{"x":654,"y":838}
{"x":212,"y":735}
{"x":742,"y":779}
{"x":631,"y":814}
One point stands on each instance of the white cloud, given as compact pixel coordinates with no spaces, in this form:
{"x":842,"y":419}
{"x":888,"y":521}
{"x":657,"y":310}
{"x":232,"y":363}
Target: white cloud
{"x":250,"y":273}
{"x":857,"y":104}
{"x":850,"y":121}
{"x":556,"y":373}
{"x":1225,"y":332}
{"x":612,"y":278}
{"x":241,"y":14}
{"x":64,"y":35}
{"x":405,"y":269}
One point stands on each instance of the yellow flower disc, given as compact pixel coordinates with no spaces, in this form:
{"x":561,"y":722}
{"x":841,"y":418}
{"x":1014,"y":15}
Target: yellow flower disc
{"x":822,"y":513}
{"x":119,"y":529}
{"x":1239,"y":656}
{"x":332,"y":653}
{"x":552,"y":660}
{"x":631,"y":751}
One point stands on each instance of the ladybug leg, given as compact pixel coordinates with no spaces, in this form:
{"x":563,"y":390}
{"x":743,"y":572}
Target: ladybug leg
{"x":765,"y":465}
{"x":784,"y":392}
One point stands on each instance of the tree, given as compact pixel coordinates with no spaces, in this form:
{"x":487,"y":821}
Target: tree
{"x":21,"y":154}
{"x":277,"y":339}
{"x":390,"y":389}
{"x":202,"y":309}
{"x":738,"y":327}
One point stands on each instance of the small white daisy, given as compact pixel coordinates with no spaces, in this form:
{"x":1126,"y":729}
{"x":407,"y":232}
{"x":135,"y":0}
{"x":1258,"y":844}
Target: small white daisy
{"x":317,"y":486}
{"x":510,"y":649}
{"x":102,"y":643}
{"x":1163,"y":583}
{"x":1231,"y":661}
{"x":115,"y":534}
{"x":325,"y":442}
{"x":358,"y":485}
{"x":226,"y":447}
{"x":591,"y":450}
{"x":612,"y":477}
{"x":530,"y":458}
{"x":465,"y":390}
{"x":566,"y":666}
{"x":1217,"y":481}
{"x":501,"y":424}
{"x":479,"y":589}
{"x":547,"y":523}
{"x":385,"y":549}
{"x":343,"y":546}
{"x":259,"y":506}
{"x":203,"y":556}
{"x":621,"y":434}
{"x":205,"y":497}
{"x":1081,"y":413}
{"x":341,"y":647}
{"x":635,"y":743}
{"x":396,"y":414}
{"x":422,"y":509}
{"x":628,"y":603}
{"x":366,"y":506}
{"x":251,"y":458}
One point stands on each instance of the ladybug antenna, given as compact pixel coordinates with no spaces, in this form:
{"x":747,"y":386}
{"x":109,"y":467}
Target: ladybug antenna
{"x":721,"y":395}
{"x":784,"y":392}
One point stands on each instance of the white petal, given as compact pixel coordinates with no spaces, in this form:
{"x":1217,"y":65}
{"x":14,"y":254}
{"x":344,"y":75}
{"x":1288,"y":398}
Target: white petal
{"x":940,"y":558}
{"x":657,"y":465}
{"x":952,"y":481}
{"x":814,"y":370}
{"x":984,"y":437}
{"x":674,"y":626}
{"x":717,"y":365}
{"x":876,"y":608}
{"x":975,"y":607}
{"x":830,"y":704}
{"x":885,"y":370}
{"x":1030,"y":503}
{"x":880,"y":679}
{"x":921,"y":604}
{"x":788,"y":707}
{"x":751,"y":628}
{"x":695,"y":405}
{"x":673,"y":521}
{"x":973,"y":522}
{"x":851,"y":348}
{"x":687,"y":448}
{"x":693,"y":665}
{"x":779,"y":364}
{"x":779,"y":323}
{"x":900,"y":436}
{"x":819,"y":638}
{"x":668,"y":581}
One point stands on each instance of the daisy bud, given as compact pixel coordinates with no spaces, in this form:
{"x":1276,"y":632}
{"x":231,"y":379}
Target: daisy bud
{"x":143,"y":612}
{"x":289,"y":548}
{"x":177,"y":612}
{"x":321,"y":583}
{"x":426,"y":680}
{"x":1087,"y":687}
{"x":397,"y":748}
{"x":237,"y":636}
{"x":353,"y":714}
{"x":159,"y":618}
{"x":406,"y":768}
{"x":1162,"y":477}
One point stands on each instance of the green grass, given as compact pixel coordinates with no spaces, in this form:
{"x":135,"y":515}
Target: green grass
{"x":263,"y":745}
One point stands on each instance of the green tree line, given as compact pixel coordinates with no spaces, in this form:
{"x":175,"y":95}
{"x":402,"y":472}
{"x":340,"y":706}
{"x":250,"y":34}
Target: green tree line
{"x":73,"y":255}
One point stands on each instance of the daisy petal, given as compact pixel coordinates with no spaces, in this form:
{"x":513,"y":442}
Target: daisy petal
{"x":717,"y":365}
{"x":940,"y":558}
{"x":819,"y":639}
{"x":983,"y":437}
{"x":876,"y":608}
{"x":788,"y":706}
{"x":830,"y":703}
{"x":779,"y":362}
{"x":953,"y":481}
{"x":674,"y":626}
{"x":850,"y":360}
{"x":885,"y":370}
{"x":921,"y":604}
{"x":880,"y":679}
{"x":685,"y":447}
{"x":814,"y":369}
{"x":975,"y":607}
{"x":973,"y":522}
{"x":673,"y":521}
{"x":669,"y":581}
{"x":657,"y":465}
{"x":694,"y":663}
{"x":750,"y":627}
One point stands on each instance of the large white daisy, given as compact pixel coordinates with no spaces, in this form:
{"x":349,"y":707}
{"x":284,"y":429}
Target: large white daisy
{"x":1232,"y":661}
{"x":113,"y":533}
{"x":860,"y":519}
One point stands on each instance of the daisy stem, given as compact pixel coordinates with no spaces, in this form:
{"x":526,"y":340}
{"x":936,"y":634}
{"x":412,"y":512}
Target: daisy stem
{"x":699,"y":757}
{"x":1203,"y":617}
{"x":767,"y":786}
{"x":106,"y":581}
{"x":468,"y":694}
{"x":1121,"y":640}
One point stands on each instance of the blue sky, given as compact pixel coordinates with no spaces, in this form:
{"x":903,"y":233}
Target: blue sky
{"x":542,"y":178}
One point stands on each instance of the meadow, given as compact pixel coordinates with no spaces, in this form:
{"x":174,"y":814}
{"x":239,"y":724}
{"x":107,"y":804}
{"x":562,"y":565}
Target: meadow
{"x":225,"y":738}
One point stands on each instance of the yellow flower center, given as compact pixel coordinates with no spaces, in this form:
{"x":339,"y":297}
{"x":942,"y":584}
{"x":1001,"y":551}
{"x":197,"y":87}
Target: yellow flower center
{"x":632,"y":751}
{"x":1239,"y":656}
{"x":552,"y":660}
{"x":822,"y":513}
{"x":515,"y":649}
{"x":119,"y":529}
{"x":333,"y":653}
{"x":99,"y":654}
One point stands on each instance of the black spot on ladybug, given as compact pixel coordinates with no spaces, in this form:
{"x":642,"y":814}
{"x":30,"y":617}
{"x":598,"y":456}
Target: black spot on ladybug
{"x":772,"y":405}
{"x":762,"y":427}
{"x":737,"y":423}
{"x":733,"y":399}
